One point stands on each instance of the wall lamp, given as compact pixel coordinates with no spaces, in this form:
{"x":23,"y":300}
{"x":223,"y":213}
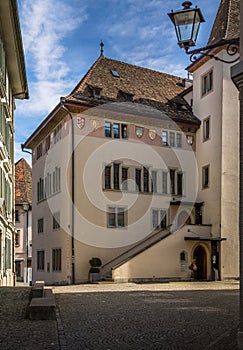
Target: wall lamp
{"x":187,"y":23}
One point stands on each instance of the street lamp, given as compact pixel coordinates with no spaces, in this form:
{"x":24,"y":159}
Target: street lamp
{"x":26,"y":207}
{"x":187,"y":23}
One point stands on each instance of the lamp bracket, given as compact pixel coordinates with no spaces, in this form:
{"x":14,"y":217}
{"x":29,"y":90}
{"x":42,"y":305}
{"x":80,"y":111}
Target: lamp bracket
{"x":232,"y":49}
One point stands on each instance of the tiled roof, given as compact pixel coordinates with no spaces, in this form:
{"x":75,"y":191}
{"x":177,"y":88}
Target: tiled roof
{"x":146,"y":86}
{"x":23,"y":182}
{"x":226,"y":24}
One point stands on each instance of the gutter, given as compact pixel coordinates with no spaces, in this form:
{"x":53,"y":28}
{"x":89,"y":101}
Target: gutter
{"x":63,"y":100}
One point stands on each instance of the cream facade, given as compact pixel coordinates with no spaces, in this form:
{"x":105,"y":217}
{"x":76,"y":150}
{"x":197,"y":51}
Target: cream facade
{"x":127,"y":169}
{"x":219,"y":150}
{"x":13,"y":85}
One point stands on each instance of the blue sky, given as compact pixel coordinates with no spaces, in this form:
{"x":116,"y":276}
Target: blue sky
{"x":61,"y":41}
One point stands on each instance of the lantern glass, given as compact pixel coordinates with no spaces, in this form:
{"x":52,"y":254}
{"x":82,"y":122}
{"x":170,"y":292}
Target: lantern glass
{"x":187,"y":23}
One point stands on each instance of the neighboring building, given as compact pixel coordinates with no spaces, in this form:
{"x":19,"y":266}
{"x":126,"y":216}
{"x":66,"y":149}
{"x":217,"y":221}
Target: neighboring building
{"x":124,"y":170}
{"x":13,"y":84}
{"x":23,"y":219}
{"x":216,"y":104}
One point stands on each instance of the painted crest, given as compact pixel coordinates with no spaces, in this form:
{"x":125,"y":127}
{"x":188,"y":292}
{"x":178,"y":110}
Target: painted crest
{"x":94,"y":124}
{"x":139,"y":131}
{"x":80,"y":122}
{"x":152,"y":134}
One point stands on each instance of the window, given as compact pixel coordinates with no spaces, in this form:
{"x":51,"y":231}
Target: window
{"x":58,"y":133}
{"x":172,"y":181}
{"x":108,"y":177}
{"x":178,"y":140}
{"x":8,"y":255}
{"x":138,"y":173}
{"x":154,"y":181}
{"x":56,"y":259}
{"x":164,"y":182}
{"x":164,"y":138}
{"x":116,"y":217}
{"x":179,"y":183}
{"x":40,"y":260}
{"x":56,"y":220}
{"x":115,"y":130}
{"x":17,"y":238}
{"x":56,"y":180}
{"x":145,"y":180}
{"x":39,"y":151}
{"x":158,"y":219}
{"x":205,"y":176}
{"x":40,"y":189}
{"x":190,"y":139}
{"x":17,"y":215}
{"x":183,"y":256}
{"x":40,"y":225}
{"x":48,"y":143}
{"x":116,"y":177}
{"x":206,"y":129}
{"x":172,"y":139}
{"x":124,"y":178}
{"x":108,"y":129}
{"x":207,"y":83}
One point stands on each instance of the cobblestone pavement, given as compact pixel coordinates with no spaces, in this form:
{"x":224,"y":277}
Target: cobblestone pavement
{"x":149,"y":316}
{"x":125,"y":316}
{"x":17,"y":332}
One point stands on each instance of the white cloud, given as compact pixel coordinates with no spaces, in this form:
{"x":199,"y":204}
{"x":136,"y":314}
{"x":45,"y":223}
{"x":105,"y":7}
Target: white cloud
{"x":45,"y":25}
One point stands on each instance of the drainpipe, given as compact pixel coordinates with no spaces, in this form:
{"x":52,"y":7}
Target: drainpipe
{"x":63,"y":100}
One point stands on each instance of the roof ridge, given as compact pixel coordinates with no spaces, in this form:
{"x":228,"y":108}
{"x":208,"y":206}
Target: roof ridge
{"x":226,"y":24}
{"x":140,"y":67}
{"x":228,"y":19}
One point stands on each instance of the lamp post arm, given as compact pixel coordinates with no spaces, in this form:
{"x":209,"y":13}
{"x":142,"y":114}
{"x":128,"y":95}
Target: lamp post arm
{"x":232,"y":49}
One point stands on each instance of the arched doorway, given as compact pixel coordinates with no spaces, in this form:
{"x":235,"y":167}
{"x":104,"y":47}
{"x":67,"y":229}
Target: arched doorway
{"x":200,"y":256}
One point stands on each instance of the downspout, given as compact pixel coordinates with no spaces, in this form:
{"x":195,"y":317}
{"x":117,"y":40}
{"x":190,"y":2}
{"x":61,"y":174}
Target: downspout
{"x":72,"y":187}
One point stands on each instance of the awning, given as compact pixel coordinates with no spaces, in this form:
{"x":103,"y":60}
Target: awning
{"x":198,"y":238}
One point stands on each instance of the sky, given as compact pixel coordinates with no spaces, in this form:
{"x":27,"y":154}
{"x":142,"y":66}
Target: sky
{"x":61,"y":41}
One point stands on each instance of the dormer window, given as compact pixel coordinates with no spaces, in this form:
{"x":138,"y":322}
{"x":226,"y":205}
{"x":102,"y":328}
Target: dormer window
{"x":124,"y":96}
{"x":96,"y":92}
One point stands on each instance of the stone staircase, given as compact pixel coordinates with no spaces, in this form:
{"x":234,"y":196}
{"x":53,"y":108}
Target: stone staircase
{"x":153,"y":238}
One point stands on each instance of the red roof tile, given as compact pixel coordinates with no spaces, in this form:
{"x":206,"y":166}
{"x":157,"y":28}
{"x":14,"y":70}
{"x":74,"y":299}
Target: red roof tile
{"x":23,"y":182}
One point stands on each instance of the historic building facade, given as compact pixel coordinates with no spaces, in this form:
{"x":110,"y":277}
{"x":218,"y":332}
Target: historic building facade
{"x":23,"y":221}
{"x":126,"y":169}
{"x":13,"y":84}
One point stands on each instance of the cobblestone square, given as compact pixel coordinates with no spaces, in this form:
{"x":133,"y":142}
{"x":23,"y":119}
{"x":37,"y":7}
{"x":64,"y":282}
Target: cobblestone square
{"x":126,"y":316}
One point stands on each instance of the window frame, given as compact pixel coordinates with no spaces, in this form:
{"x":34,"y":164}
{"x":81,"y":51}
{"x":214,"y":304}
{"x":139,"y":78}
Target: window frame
{"x":114,"y":216}
{"x":56,"y":260}
{"x":56,"y":217}
{"x":116,"y":130}
{"x":40,"y":225}
{"x":40,"y":263}
{"x":206,"y":129}
{"x":160,"y":215}
{"x":207,"y":83}
{"x":206,"y":177}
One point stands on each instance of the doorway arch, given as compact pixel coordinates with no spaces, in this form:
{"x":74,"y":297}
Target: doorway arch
{"x":200,"y":256}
